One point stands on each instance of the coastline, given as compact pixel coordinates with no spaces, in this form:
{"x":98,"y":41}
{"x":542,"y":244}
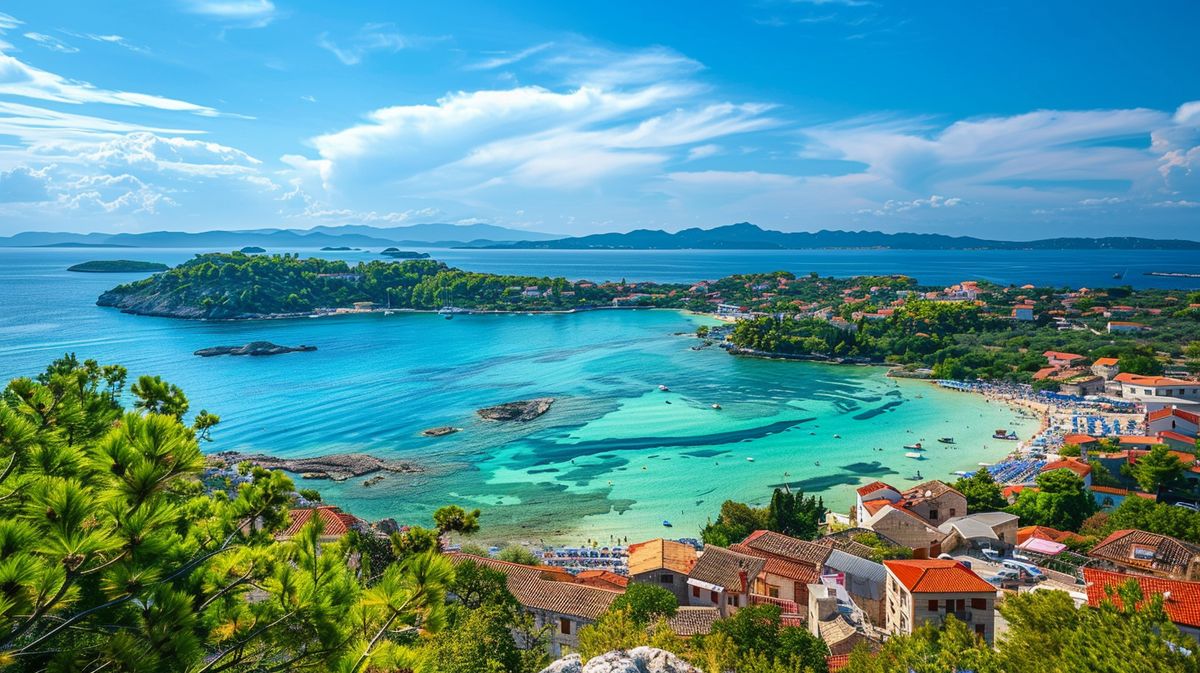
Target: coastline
{"x":328,"y":313}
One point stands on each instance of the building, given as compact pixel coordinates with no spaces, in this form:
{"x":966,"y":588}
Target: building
{"x":663,"y":563}
{"x":1023,"y":312}
{"x":1061,"y":360}
{"x":1106,"y":367}
{"x":1181,"y":600}
{"x":1046,"y":533}
{"x":1157,"y":392}
{"x":722,"y":579}
{"x":1173,"y":419}
{"x":991,"y":530}
{"x":1149,"y":553}
{"x":831,"y":624}
{"x":604,"y":579}
{"x":1081,"y":468}
{"x":862,"y":579}
{"x":876,"y":490}
{"x":930,"y":590}
{"x":1118,"y":326}
{"x":790,"y":565}
{"x":904,"y":527}
{"x":693,"y":621}
{"x":934,"y":501}
{"x":336,"y":523}
{"x":553,"y":598}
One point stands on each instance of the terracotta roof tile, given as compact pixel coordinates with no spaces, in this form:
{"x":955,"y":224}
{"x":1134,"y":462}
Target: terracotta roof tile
{"x":873,"y":487}
{"x":1167,"y":412}
{"x":337,"y":523}
{"x":660,"y":554}
{"x":1156,"y":553}
{"x":837,"y":662}
{"x":605,"y":579}
{"x":791,"y":548}
{"x":723,"y":568}
{"x":1181,"y":600}
{"x":775,"y":565}
{"x":536,"y":589}
{"x":693,"y":621}
{"x":937,"y":576}
{"x":1080,"y":468}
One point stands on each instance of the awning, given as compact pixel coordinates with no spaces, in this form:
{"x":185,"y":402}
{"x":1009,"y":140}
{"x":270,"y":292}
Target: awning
{"x":1041,"y":546}
{"x":705,"y":585}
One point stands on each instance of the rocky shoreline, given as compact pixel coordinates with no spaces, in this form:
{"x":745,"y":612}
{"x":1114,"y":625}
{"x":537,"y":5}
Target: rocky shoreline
{"x":521,"y":411}
{"x":803,"y":357}
{"x":253,"y":348}
{"x":335,"y":467}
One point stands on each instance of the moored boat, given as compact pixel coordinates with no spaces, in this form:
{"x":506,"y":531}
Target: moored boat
{"x":663,"y":388}
{"x":946,"y":440}
{"x":915,"y":455}
{"x":914,"y":447}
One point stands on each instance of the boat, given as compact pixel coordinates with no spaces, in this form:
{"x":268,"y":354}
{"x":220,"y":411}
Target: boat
{"x":916,"y":477}
{"x":914,"y":447}
{"x":914,"y":455}
{"x":946,"y":440}
{"x":716,"y":406}
{"x":663,"y":388}
{"x":749,"y":459}
{"x":837,"y":436}
{"x":1119,"y":275}
{"x":1004,"y":434}
{"x":667,"y":524}
{"x":446,"y":312}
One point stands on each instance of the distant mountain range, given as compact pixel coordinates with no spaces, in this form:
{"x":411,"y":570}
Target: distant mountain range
{"x":746,"y":236}
{"x":359,"y":236}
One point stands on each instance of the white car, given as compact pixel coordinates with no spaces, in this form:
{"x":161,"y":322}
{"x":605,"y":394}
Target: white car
{"x":1188,"y":505}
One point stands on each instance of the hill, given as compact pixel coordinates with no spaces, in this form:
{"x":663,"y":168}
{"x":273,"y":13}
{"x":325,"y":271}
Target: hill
{"x":746,"y":236}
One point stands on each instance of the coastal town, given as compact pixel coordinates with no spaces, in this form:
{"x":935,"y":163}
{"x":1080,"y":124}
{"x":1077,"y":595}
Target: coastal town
{"x":1104,"y":495}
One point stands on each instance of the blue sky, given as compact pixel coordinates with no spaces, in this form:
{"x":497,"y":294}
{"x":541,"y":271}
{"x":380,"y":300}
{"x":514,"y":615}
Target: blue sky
{"x":1005,"y":120}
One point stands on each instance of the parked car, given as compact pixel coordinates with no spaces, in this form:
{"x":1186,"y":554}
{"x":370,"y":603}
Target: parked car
{"x":1027,"y":570}
{"x":1005,"y":576}
{"x":963,"y":562}
{"x":992,"y":555}
{"x":1021,"y":557}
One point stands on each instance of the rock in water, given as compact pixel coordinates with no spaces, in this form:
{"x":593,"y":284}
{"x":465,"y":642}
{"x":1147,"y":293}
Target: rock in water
{"x":440,"y":431}
{"x":253,"y":348}
{"x":637,"y":660}
{"x":338,"y":466}
{"x":523,"y":410}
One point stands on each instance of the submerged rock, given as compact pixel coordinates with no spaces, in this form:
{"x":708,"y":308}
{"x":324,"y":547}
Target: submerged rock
{"x":522,"y":410}
{"x":253,"y":348}
{"x":337,"y":466}
{"x":440,"y":431}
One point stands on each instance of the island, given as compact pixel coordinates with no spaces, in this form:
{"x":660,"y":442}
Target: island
{"x":337,"y":248}
{"x":521,"y":411}
{"x":397,"y":253}
{"x":117,"y":266}
{"x":253,"y":348}
{"x":336,"y":467}
{"x":253,"y":249}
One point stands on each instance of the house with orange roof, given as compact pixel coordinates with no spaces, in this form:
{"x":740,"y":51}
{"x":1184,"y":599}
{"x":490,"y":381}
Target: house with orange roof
{"x":1181,"y":599}
{"x":1046,"y":533}
{"x":335,"y":523}
{"x":876,"y":490}
{"x":1158,"y":392}
{"x":1111,"y":497}
{"x":1081,"y":469}
{"x":1173,"y":419}
{"x":1106,"y":367}
{"x":791,"y":565}
{"x":663,"y":563}
{"x":1140,"y":551}
{"x":905,"y":527}
{"x":604,"y":579}
{"x":723,"y":579}
{"x":921,"y":591}
{"x":1059,"y":359}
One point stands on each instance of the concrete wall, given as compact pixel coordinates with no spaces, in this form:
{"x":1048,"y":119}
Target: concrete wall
{"x":670,"y":580}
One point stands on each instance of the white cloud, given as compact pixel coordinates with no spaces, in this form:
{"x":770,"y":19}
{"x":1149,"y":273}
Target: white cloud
{"x":702,"y":151}
{"x":24,"y":185}
{"x":148,"y":151}
{"x":370,"y":38}
{"x":8,"y":22}
{"x":20,"y":79}
{"x":118,"y":40}
{"x":113,"y":194}
{"x":893,"y":206}
{"x":506,"y":59}
{"x":1180,"y":203}
{"x":52,"y":43}
{"x":249,"y":13}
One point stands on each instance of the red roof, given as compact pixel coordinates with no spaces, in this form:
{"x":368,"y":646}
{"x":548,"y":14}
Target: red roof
{"x":1081,"y":469}
{"x":836,"y":662}
{"x":605,"y":579}
{"x":1105,"y":362}
{"x":1079,"y":439}
{"x":337,"y":522}
{"x":937,"y":576}
{"x":1137,"y":379}
{"x":1181,"y":600}
{"x":1179,"y":437}
{"x":872,"y":487}
{"x":1058,"y":355}
{"x":1044,"y":533}
{"x":1044,"y":373}
{"x":1167,"y":412}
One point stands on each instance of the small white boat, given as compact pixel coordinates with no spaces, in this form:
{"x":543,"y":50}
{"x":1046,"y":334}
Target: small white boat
{"x":716,"y":406}
{"x":663,"y":388}
{"x":914,"y":454}
{"x":749,"y":460}
{"x":837,"y":436}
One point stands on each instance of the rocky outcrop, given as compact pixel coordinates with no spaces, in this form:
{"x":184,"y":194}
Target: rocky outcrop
{"x":337,"y":466}
{"x":253,"y":348}
{"x":440,"y":431}
{"x":522,"y":411}
{"x":637,"y":660}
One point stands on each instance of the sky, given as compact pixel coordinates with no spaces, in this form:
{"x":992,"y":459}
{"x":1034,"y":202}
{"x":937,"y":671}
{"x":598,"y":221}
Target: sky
{"x":1011,"y":120}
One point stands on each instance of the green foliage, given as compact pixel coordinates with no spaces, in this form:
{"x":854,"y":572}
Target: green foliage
{"x":757,"y":629}
{"x":982,"y":492}
{"x":1157,"y":469}
{"x":881,"y":551}
{"x":795,"y":515}
{"x":515,"y":553}
{"x":1154,"y":517}
{"x":310,"y":494}
{"x":735,"y":521}
{"x":645,"y":603}
{"x":1061,"y":501}
{"x":614,"y":630}
{"x":1070,"y":451}
{"x":156,"y":396}
{"x":928,"y":649}
{"x":414,"y":540}
{"x":455,"y":519}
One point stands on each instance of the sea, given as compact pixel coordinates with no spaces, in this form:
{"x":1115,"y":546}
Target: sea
{"x":616,"y":458}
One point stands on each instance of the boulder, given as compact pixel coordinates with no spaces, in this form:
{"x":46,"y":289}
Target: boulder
{"x":521,"y":411}
{"x":637,"y":660}
{"x":253,"y":348}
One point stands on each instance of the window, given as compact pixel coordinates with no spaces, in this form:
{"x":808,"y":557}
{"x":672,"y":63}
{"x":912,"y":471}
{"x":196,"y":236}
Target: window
{"x":933,"y":515}
{"x":1142,"y":553}
{"x":953,"y":511}
{"x":666,"y":578}
{"x":978,"y":603}
{"x":715,"y":598}
{"x":959,"y":605}
{"x":695,"y":592}
{"x":979,"y":630}
{"x":731,"y":599}
{"x":564,"y":626}
{"x":933,"y":605}
{"x":773,"y":592}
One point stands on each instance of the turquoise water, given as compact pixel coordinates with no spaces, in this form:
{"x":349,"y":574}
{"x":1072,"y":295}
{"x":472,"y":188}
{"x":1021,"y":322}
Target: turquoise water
{"x":611,"y":457}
